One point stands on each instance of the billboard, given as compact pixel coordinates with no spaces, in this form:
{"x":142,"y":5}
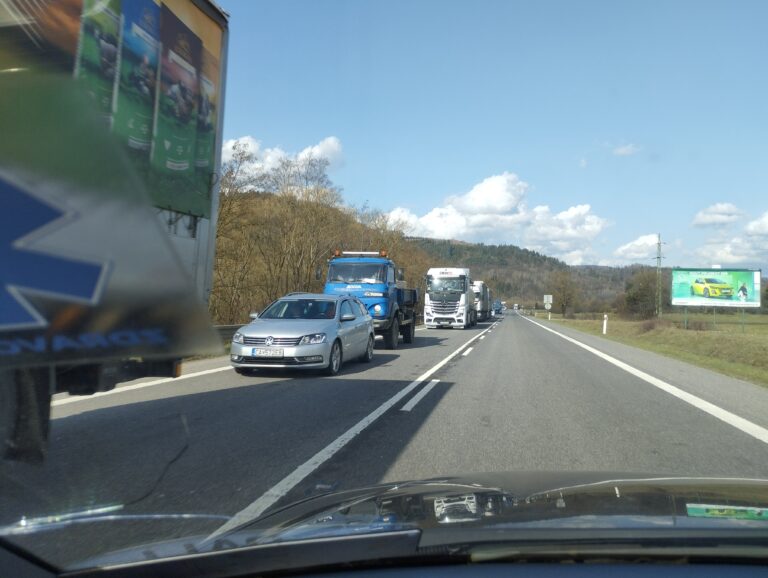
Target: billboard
{"x":716,"y":287}
{"x":153,"y":69}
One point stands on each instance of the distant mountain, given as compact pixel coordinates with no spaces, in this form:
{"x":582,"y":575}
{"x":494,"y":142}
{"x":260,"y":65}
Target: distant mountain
{"x":523,"y":276}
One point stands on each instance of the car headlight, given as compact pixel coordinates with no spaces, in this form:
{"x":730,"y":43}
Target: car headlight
{"x":237,"y":338}
{"x":377,"y":308}
{"x":313,"y":339}
{"x":374,"y":294}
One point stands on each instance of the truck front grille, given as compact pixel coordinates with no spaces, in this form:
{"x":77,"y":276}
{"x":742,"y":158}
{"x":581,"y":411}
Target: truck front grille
{"x":439,"y":308}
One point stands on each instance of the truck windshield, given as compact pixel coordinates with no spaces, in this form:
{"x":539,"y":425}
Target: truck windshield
{"x":357,"y":273}
{"x":455,"y":284}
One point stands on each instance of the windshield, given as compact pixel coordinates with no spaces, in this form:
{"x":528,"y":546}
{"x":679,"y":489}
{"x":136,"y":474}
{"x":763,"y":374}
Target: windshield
{"x":300,"y":309}
{"x":357,"y":273}
{"x":284,"y":269}
{"x":449,"y":284}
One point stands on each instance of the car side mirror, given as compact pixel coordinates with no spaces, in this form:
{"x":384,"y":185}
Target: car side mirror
{"x":348,"y":317}
{"x":254,"y":315}
{"x":318,"y":273}
{"x":401,"y":274}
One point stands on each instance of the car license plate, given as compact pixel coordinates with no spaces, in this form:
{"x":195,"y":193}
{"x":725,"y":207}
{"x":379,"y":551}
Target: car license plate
{"x":258,"y":352}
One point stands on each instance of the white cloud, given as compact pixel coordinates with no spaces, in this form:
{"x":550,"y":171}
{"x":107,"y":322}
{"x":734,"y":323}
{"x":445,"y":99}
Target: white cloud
{"x":626,"y":150}
{"x":497,"y":194}
{"x":494,"y":211}
{"x":267,"y":158}
{"x":758,"y":227}
{"x":717,"y":214}
{"x":583,"y":163}
{"x":732,"y":252}
{"x":329,"y":148}
{"x":644,"y":247}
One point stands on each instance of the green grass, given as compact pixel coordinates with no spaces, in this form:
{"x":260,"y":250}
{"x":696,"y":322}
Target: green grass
{"x":727,"y":347}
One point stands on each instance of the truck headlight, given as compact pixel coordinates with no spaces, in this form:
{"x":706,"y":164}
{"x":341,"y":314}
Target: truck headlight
{"x":237,"y":338}
{"x":313,"y":339}
{"x":377,"y":308}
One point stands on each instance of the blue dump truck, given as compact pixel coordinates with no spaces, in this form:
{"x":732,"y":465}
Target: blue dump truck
{"x":375,"y":279}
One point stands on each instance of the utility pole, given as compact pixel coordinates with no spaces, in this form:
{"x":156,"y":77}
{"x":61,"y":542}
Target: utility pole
{"x":659,"y":257}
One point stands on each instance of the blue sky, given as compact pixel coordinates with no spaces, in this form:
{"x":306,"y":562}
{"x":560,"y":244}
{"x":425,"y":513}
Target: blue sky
{"x":578,"y":129}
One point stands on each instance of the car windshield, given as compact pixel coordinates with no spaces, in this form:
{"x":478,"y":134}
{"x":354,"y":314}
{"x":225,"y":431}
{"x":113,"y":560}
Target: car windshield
{"x":346,"y":275}
{"x":357,"y":273}
{"x":300,"y":309}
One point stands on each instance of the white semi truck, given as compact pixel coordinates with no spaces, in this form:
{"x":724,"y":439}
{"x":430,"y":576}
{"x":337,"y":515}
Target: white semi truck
{"x":483,"y":301}
{"x":449,"y":300}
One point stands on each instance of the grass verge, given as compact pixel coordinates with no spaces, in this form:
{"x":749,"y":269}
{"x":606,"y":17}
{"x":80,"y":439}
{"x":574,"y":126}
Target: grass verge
{"x":740,"y":355}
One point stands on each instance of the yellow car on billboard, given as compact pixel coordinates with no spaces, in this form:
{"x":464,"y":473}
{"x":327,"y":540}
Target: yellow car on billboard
{"x":711,"y":287}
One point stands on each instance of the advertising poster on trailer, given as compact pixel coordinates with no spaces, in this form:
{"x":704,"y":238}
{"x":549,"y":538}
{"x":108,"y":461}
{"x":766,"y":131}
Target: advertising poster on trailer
{"x":735,"y":288}
{"x":206,"y":118}
{"x":173,"y":147}
{"x":135,"y":98}
{"x":97,"y":51}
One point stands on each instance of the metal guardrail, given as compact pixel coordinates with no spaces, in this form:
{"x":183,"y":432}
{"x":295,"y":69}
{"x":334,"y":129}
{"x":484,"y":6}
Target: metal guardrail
{"x":226,"y":331}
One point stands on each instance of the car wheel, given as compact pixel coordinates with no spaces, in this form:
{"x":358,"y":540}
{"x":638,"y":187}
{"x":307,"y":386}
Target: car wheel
{"x":393,"y":335}
{"x":334,"y":359}
{"x":368,"y":355}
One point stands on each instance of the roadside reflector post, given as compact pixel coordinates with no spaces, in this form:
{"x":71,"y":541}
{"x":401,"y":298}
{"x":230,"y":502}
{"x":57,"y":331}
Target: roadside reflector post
{"x":605,"y":324}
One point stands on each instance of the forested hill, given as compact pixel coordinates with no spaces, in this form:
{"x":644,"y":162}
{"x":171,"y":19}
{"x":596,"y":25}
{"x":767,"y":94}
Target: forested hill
{"x":512,"y":272}
{"x":524,"y":276}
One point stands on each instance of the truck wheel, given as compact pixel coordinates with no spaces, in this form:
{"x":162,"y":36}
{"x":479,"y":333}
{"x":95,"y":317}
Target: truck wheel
{"x":393,"y":335}
{"x":334,"y":360}
{"x":410,"y":332}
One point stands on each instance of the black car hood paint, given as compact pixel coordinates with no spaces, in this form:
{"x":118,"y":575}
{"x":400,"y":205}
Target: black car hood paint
{"x":499,"y":501}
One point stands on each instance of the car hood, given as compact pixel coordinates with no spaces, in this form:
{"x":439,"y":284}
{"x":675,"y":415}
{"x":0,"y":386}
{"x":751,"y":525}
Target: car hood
{"x":288,"y":327}
{"x":442,"y":509}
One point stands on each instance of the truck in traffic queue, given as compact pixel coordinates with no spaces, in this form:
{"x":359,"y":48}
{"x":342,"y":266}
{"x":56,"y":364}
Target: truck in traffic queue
{"x":449,"y":300}
{"x":109,"y":164}
{"x":483,"y":309}
{"x":376,"y":280}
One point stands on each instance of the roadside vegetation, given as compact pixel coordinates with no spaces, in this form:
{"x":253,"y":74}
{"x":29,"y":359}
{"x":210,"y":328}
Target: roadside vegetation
{"x":722,"y":342}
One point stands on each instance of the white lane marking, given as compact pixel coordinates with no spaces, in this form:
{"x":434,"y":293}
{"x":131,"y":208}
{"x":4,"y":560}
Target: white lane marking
{"x":419,"y":396}
{"x":79,"y":398}
{"x":261,"y":504}
{"x":467,"y":352}
{"x":483,"y":337}
{"x":746,"y":426}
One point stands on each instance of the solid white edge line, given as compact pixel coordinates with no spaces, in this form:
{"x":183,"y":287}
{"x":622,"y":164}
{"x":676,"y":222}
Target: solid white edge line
{"x":744,"y":425}
{"x":467,"y":352}
{"x":422,"y":392}
{"x":261,"y":504}
{"x":81,"y":398}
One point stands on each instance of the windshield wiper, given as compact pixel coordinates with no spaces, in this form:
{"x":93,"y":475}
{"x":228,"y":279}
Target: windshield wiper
{"x":91,"y":515}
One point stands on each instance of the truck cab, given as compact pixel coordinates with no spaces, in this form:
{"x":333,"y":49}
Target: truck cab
{"x":449,"y":300}
{"x":375,"y":280}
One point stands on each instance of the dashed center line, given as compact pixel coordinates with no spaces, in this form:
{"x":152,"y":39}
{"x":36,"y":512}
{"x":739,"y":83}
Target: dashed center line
{"x":419,"y":396}
{"x":467,"y":352}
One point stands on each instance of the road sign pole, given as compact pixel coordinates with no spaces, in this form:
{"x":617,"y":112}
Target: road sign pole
{"x":605,"y":324}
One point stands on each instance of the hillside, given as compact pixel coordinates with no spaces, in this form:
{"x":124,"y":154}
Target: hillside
{"x":524,"y":276}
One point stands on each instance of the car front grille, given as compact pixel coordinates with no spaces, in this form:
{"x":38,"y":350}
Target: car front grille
{"x":277,"y":341}
{"x":274,"y":360}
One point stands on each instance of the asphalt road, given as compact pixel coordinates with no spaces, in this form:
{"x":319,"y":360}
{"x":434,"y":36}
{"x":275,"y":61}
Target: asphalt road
{"x":519,"y":397}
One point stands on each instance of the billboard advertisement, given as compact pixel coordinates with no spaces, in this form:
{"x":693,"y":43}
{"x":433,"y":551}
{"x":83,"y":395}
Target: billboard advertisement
{"x":96,"y":63}
{"x":716,"y":287}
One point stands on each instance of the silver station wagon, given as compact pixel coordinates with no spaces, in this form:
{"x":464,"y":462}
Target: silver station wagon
{"x":305,"y":330}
